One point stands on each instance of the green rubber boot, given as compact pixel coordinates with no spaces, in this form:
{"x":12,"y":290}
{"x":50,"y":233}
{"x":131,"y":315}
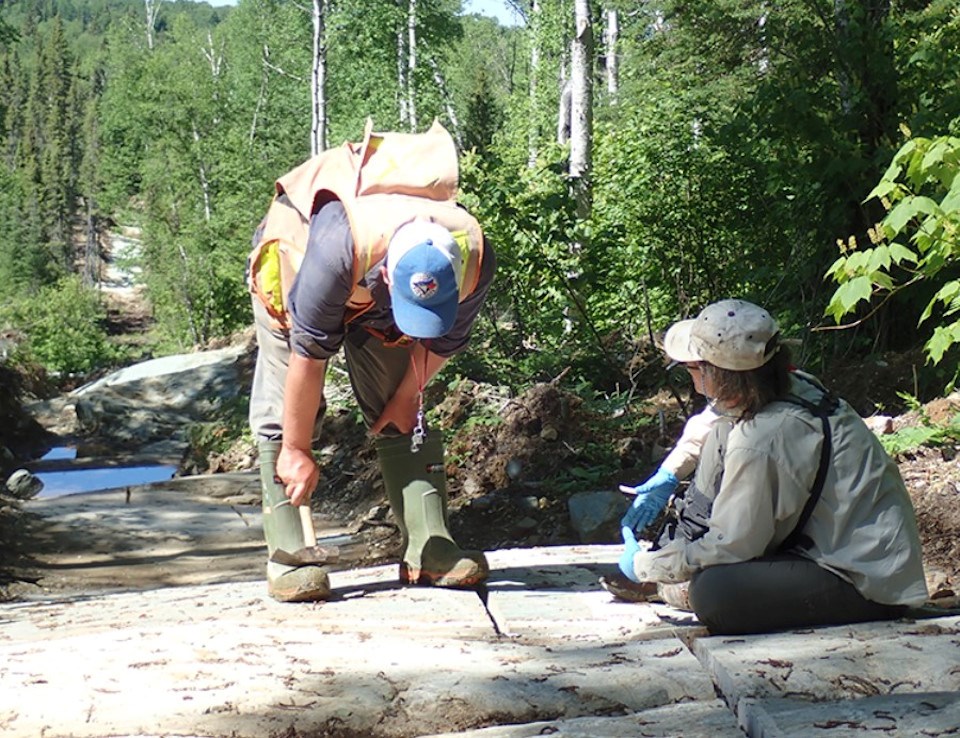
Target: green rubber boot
{"x":417,"y":490}
{"x":281,"y":528}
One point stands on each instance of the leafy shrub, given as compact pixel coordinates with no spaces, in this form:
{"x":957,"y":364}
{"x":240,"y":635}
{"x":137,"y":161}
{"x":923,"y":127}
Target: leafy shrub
{"x":63,"y":325}
{"x":918,"y":241}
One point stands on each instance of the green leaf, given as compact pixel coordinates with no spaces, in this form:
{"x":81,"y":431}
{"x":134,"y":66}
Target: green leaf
{"x":883,"y":280}
{"x":879,"y":258}
{"x":935,"y":154}
{"x":907,"y":439}
{"x":915,"y":172}
{"x":927,"y":206}
{"x":836,"y":269}
{"x":943,"y":338}
{"x":951,"y":201}
{"x":883,"y":189}
{"x":900,"y":253}
{"x":857,"y":262}
{"x":949,"y":293}
{"x":851,"y":293}
{"x":898,"y":218}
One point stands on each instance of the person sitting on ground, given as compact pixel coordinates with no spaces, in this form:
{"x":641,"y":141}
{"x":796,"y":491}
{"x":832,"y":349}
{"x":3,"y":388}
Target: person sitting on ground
{"x":796,"y":516}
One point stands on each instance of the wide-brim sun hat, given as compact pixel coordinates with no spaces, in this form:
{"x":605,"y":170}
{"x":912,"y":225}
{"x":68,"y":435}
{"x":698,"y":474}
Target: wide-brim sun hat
{"x":424,"y":265}
{"x":730,"y":334}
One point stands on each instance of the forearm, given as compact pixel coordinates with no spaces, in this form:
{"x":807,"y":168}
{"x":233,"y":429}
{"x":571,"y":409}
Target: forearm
{"x":682,"y":460}
{"x":303,"y":392}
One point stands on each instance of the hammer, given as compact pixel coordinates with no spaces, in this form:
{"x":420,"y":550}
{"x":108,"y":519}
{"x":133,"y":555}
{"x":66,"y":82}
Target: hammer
{"x":312,"y":554}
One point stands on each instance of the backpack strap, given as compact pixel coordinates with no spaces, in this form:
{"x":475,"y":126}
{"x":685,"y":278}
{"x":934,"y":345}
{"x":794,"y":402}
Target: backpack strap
{"x":823,"y":409}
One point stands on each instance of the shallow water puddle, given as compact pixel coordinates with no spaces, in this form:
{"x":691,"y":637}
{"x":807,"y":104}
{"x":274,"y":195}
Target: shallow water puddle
{"x":75,"y":481}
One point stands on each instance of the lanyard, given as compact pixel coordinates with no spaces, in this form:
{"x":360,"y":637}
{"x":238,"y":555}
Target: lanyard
{"x":419,"y":431}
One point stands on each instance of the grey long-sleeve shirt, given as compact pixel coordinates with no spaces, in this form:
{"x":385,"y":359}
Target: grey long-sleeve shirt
{"x":319,"y":294}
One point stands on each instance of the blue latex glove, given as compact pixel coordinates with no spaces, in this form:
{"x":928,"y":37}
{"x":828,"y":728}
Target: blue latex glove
{"x":626,"y":558}
{"x":651,"y":498}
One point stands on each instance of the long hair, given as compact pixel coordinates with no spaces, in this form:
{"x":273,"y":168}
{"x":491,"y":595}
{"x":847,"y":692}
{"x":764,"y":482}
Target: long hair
{"x":750,"y":391}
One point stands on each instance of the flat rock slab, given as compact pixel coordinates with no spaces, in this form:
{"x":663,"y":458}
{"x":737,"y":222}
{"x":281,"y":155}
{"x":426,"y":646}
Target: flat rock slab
{"x":928,"y":714}
{"x":173,"y":635}
{"x":845,"y":662}
{"x":379,"y":660}
{"x":188,"y":530}
{"x":898,"y":678}
{"x":688,"y":719}
{"x":143,"y":537}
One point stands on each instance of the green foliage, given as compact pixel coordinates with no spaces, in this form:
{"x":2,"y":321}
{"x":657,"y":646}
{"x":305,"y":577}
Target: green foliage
{"x":917,"y":241}
{"x":927,"y":433}
{"x":744,"y":137}
{"x":528,"y":218}
{"x":483,"y":70}
{"x":225,"y":428}
{"x":63,"y":327}
{"x":927,"y":50}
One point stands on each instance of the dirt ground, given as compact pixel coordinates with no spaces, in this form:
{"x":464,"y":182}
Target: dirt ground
{"x":514,"y":461}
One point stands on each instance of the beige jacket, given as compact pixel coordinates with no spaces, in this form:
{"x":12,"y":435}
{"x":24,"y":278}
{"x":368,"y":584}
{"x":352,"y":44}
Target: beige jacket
{"x":863,"y":528}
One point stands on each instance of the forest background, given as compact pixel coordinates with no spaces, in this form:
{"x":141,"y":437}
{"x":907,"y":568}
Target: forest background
{"x":630,"y":162}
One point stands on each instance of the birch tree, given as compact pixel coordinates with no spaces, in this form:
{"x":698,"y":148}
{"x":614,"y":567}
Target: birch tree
{"x":411,"y":66}
{"x":534,"y":22}
{"x":318,"y":80}
{"x":451,"y":111}
{"x":152,"y":8}
{"x":581,"y":106}
{"x":611,"y":37}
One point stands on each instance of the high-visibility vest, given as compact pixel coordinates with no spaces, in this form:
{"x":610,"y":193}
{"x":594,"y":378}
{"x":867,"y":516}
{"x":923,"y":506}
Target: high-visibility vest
{"x":385,"y":181}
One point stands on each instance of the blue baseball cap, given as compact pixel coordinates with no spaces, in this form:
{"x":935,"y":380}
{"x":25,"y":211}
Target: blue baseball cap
{"x":424,"y":268}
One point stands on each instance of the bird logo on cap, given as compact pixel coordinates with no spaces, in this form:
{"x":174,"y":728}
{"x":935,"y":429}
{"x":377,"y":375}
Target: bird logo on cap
{"x":423,"y":285}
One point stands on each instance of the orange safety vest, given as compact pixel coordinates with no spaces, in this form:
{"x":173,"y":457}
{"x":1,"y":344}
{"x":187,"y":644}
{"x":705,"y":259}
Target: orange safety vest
{"x":384,"y":182}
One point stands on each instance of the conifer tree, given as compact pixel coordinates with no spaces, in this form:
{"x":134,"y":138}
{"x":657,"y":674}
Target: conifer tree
{"x":57,"y":170}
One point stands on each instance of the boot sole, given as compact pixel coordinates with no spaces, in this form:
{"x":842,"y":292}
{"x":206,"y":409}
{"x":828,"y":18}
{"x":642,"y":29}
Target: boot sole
{"x":289,"y":588}
{"x":623,"y":589}
{"x":294,"y":595}
{"x":424,"y":578}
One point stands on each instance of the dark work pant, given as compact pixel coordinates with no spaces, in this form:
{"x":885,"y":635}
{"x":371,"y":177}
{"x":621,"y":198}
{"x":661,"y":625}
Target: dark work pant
{"x":375,"y":371}
{"x":778,"y":593}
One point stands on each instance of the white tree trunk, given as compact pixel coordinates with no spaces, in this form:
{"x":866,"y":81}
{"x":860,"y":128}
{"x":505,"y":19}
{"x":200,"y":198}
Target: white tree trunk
{"x":214,"y":58}
{"x":581,"y":102}
{"x":441,"y":83}
{"x":412,"y":63}
{"x":841,"y":20}
{"x":153,"y":9}
{"x":533,"y":136}
{"x":581,"y":129}
{"x":261,"y":99}
{"x":402,"y":79}
{"x":611,"y":38}
{"x":763,"y":63}
{"x":318,"y":79}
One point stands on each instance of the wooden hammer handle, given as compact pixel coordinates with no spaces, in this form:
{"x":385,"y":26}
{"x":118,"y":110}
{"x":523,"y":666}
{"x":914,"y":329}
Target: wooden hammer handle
{"x":306,"y":522}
